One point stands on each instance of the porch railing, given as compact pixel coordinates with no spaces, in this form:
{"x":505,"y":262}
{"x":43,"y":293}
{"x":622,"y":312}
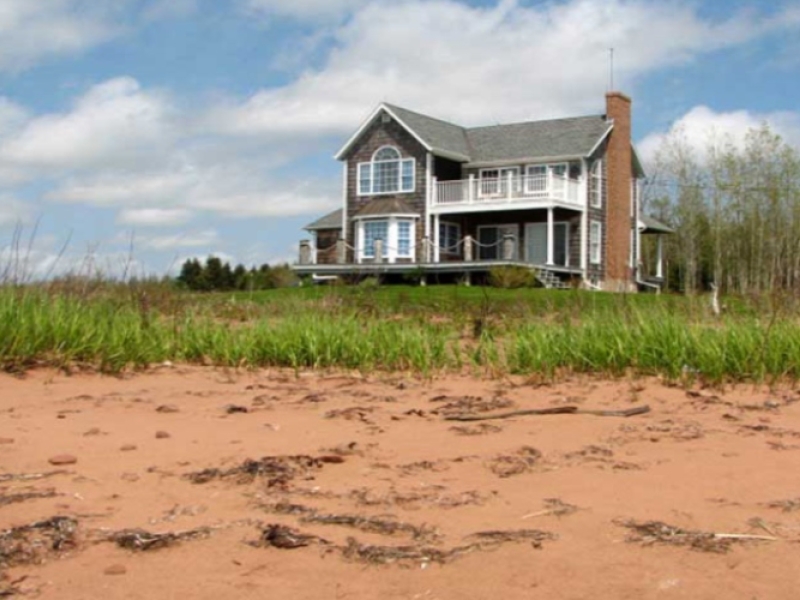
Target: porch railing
{"x":545,"y":188}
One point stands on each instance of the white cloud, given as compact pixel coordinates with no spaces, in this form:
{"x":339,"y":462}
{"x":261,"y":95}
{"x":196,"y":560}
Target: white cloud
{"x":154,"y":217}
{"x":179,"y":240}
{"x":114,"y":123}
{"x":303,"y":9}
{"x":32,"y":30}
{"x":702,"y":126}
{"x":477,"y":65}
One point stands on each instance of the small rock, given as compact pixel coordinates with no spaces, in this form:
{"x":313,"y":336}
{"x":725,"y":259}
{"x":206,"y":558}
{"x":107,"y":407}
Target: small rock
{"x":62,"y":459}
{"x":162,"y":435}
{"x":168,"y":408}
{"x":115,"y":570}
{"x":92,"y":431}
{"x":233,"y":409}
{"x":6,"y":440}
{"x":128,"y":447}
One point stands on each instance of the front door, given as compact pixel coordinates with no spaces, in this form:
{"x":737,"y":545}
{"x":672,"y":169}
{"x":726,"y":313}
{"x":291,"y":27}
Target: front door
{"x":536,"y":243}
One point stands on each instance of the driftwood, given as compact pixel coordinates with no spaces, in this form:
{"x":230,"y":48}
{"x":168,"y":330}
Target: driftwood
{"x":557,"y":410}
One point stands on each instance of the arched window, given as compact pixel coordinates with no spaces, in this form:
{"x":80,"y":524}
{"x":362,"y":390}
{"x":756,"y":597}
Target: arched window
{"x":386,"y":173}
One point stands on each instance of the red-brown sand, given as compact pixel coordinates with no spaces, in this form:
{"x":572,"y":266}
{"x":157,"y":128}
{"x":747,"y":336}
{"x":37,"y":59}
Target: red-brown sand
{"x":703,"y":461}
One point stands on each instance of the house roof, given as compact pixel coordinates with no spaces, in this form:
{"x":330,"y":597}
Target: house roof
{"x":575,"y":137}
{"x":533,"y":140}
{"x":651,"y":225}
{"x":383,"y":207}
{"x":330,"y":221}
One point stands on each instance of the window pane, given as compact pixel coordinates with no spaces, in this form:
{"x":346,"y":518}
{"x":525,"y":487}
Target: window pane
{"x":386,"y":154}
{"x":404,"y":238}
{"x":375,"y":230}
{"x":386,"y":177}
{"x":408,"y":175}
{"x":364,"y":178}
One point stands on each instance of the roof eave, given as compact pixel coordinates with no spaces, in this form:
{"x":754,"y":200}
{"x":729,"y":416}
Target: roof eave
{"x":382,"y":106}
{"x":523,"y":159}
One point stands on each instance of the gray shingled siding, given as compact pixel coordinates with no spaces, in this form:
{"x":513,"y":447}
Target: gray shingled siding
{"x":597,"y":272}
{"x":377,"y":135}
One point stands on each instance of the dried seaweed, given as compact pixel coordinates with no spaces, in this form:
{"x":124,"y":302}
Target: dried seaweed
{"x":374,"y":525}
{"x":497,"y":537}
{"x":140,"y":540}
{"x":352,"y":413}
{"x":277,"y":470}
{"x":384,"y":555}
{"x":479,"y":429}
{"x":555,"y":507}
{"x":6,"y":477}
{"x":522,"y":461}
{"x":31,"y":544}
{"x":285,"y":538}
{"x":23,"y":496}
{"x":469,"y":404}
{"x":433,"y":495}
{"x":655,"y":532}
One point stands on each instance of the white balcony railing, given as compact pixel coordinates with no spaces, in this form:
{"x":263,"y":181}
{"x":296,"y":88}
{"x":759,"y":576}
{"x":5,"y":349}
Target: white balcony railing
{"x":545,"y":188}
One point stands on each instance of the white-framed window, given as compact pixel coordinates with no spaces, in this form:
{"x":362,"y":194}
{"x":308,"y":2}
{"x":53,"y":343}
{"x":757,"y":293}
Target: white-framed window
{"x":536,"y":179}
{"x":494,"y":182}
{"x":372,"y":231}
{"x":404,"y":240}
{"x":595,"y":242}
{"x":449,"y":236}
{"x":386,"y":173}
{"x":596,"y":185}
{"x":396,"y":232}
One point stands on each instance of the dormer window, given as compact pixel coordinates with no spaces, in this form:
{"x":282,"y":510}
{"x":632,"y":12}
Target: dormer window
{"x":386,"y":173}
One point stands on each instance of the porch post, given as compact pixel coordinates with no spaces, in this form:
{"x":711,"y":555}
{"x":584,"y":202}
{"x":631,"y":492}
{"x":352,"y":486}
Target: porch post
{"x":471,"y":189}
{"x":436,"y":241}
{"x":550,"y":236}
{"x":378,"y":245}
{"x":341,"y":252}
{"x":660,"y":257}
{"x":467,"y":248}
{"x":510,"y":184}
{"x":305,"y":252}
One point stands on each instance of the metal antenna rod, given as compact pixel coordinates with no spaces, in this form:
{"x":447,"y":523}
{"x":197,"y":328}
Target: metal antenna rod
{"x":611,"y":69}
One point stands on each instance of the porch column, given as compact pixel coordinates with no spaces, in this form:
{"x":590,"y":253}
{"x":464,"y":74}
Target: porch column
{"x":660,"y":257}
{"x":471,"y":189}
{"x":584,"y":197}
{"x":305,"y":252}
{"x":341,"y":252}
{"x":467,"y":248}
{"x":550,"y":237}
{"x":436,"y":242}
{"x":378,"y":245}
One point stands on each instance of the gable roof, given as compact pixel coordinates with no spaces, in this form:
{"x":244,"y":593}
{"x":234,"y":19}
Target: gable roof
{"x":533,"y":140}
{"x":332,"y":220}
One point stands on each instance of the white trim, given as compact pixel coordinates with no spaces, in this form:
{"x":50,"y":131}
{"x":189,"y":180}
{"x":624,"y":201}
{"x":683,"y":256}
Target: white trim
{"x":345,"y":167}
{"x":391,"y":244}
{"x":526,"y":160}
{"x":340,"y":154}
{"x":600,"y":180}
{"x":401,"y":162}
{"x":428,"y":194}
{"x":602,"y":139}
{"x":584,"y":214}
{"x":599,"y":226}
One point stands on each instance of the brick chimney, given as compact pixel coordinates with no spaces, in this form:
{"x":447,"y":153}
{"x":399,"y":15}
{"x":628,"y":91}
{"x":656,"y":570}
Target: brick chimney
{"x":619,"y":173}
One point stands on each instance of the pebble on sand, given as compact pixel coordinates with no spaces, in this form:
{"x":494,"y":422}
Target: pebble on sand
{"x":115,"y":570}
{"x":162,"y":435}
{"x":62,"y":459}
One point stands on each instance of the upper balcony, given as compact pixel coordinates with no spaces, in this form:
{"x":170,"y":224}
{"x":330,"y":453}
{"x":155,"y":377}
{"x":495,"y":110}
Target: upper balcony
{"x":475,"y":194}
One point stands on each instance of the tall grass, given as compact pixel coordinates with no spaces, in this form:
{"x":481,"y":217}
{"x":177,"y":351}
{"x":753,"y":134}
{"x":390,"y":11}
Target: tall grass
{"x":114,"y":326}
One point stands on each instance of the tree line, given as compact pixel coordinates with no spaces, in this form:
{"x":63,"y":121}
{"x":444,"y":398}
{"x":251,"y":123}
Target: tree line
{"x":214,"y":275}
{"x":735,"y":209}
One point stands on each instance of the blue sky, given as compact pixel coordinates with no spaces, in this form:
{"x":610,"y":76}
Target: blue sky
{"x":183,"y":128}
